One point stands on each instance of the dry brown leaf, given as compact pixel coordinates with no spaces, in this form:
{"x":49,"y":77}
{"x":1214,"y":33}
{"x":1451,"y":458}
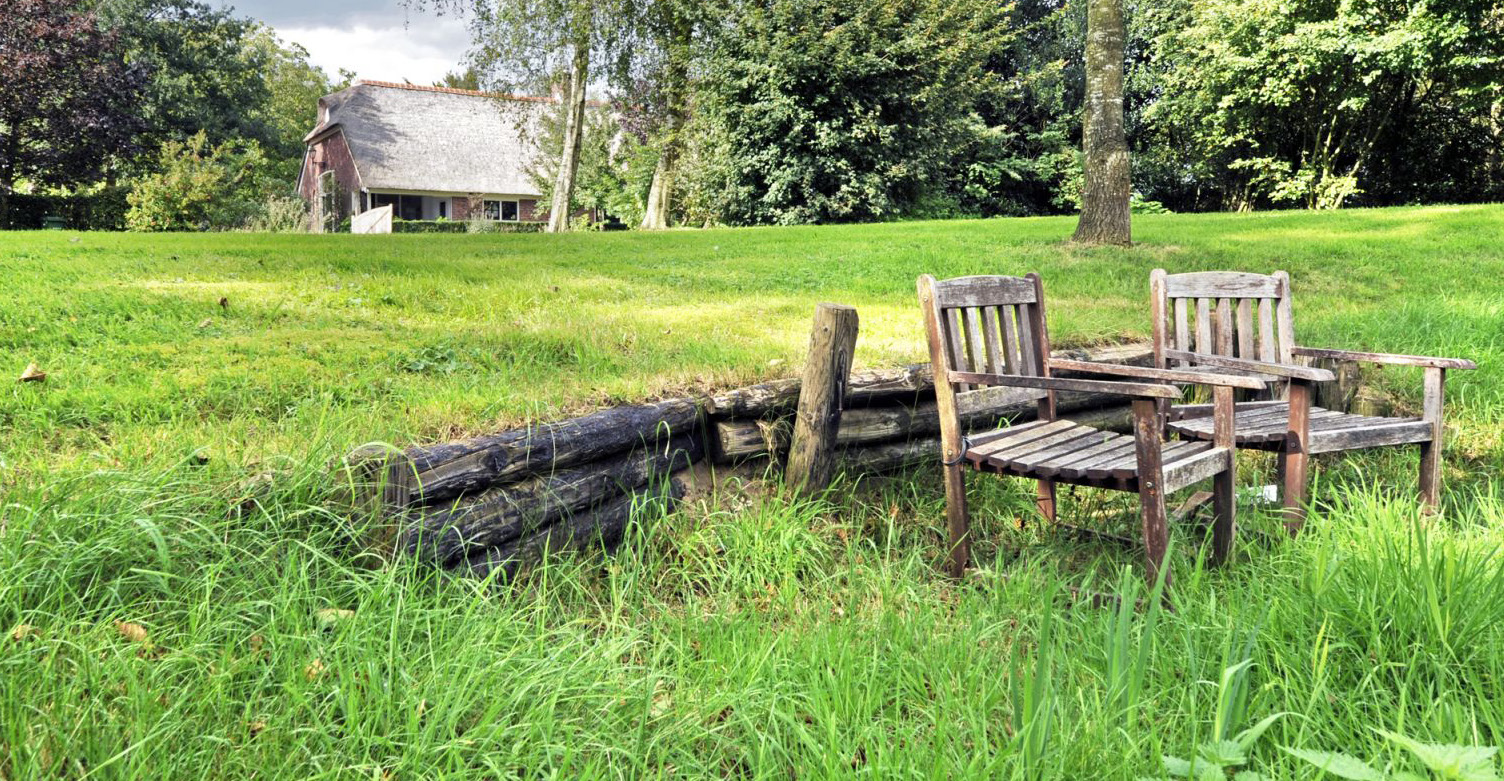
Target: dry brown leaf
{"x":224,"y":302}
{"x":206,"y":322}
{"x":256,"y":642}
{"x":131,"y":631}
{"x":255,"y":727}
{"x":33,"y":373}
{"x":330,"y":616}
{"x":314,"y":670}
{"x":23,"y":631}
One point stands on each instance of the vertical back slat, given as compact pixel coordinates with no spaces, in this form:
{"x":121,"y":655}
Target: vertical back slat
{"x":1009,"y":315}
{"x":1282,"y":315}
{"x":972,"y":317}
{"x":1245,"y":328}
{"x":1182,"y":334}
{"x":953,"y":344}
{"x":1266,"y":330}
{"x":1159,"y":319}
{"x":1224,"y":326}
{"x":990,"y":335}
{"x":1204,"y":327}
{"x":1030,"y":363}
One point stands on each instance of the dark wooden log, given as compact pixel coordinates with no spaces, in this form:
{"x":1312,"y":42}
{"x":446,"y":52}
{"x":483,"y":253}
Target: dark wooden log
{"x":832,"y":342}
{"x":889,"y":456}
{"x":601,"y":527}
{"x":501,"y":515}
{"x":448,"y":470}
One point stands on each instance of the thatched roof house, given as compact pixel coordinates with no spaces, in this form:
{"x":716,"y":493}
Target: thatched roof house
{"x":430,"y":152}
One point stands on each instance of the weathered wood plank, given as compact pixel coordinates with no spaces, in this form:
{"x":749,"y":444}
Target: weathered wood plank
{"x":1182,"y":334}
{"x":982,"y":291}
{"x":1402,"y":433}
{"x":1149,"y":390}
{"x":1196,"y":467}
{"x":1204,"y":327}
{"x":1245,"y":329}
{"x":1220,"y":284}
{"x":1387,"y":358}
{"x":1268,"y":349}
{"x":1430,"y":452}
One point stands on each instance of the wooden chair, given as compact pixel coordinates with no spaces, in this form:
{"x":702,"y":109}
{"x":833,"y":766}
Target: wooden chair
{"x":990,"y":345}
{"x":1242,"y":321}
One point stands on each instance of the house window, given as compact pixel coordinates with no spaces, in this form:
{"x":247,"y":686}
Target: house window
{"x":505,"y":211}
{"x":443,"y":210}
{"x":404,"y":207}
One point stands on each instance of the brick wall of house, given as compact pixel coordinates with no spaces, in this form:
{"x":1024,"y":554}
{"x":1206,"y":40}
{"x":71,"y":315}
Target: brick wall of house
{"x":459,"y":208}
{"x":326,"y":154}
{"x":527,"y":209}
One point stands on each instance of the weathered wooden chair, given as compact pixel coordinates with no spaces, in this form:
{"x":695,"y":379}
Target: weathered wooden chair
{"x":1243,"y":322}
{"x":990,"y":345}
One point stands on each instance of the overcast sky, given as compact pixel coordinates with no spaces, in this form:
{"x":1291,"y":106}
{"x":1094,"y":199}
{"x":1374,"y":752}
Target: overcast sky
{"x":378,"y":39}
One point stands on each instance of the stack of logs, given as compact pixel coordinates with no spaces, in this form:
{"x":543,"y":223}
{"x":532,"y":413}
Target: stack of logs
{"x":494,"y":503}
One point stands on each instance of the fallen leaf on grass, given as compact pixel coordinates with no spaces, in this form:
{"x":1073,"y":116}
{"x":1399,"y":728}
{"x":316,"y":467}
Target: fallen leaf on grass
{"x":314,"y":670}
{"x":255,"y":727}
{"x":330,"y":616}
{"x":23,"y":631}
{"x":206,"y":322}
{"x":131,"y":631}
{"x":256,"y":642}
{"x":33,"y":373}
{"x":224,"y":302}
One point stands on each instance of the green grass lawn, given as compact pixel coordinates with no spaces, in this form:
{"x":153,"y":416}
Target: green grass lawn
{"x":751,"y":636}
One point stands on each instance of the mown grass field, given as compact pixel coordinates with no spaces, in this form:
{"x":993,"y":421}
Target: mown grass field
{"x":750,"y":637}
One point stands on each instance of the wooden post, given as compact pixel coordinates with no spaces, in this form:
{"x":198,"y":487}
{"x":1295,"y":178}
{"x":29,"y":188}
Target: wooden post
{"x":822,"y":393}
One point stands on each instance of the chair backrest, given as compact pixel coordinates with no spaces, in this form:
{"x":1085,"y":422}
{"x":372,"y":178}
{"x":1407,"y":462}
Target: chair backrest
{"x":986,"y":325}
{"x":1230,"y":313}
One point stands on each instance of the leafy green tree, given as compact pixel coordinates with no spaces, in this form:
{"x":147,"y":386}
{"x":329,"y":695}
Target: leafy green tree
{"x":201,"y":187}
{"x":843,"y":110}
{"x":67,"y":97}
{"x":290,"y":109}
{"x":204,"y":73}
{"x":469,"y":79}
{"x":1292,"y":103}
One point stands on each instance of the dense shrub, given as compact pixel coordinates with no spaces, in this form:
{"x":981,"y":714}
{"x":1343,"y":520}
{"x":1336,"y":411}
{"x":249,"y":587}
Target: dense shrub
{"x":201,"y":188}
{"x":428,"y":226}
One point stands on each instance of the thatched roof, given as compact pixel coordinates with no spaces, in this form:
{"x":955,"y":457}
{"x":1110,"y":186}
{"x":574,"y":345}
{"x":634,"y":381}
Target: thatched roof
{"x":407,"y":137}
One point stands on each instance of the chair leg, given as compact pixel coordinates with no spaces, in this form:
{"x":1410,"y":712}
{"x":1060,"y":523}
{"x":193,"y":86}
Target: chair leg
{"x":1151,"y":495}
{"x":1224,"y":516}
{"x":1430,"y":477}
{"x":1296,"y":459}
{"x":1295,"y":491}
{"x":958,"y":521}
{"x":1430,"y":452}
{"x":1046,"y":500}
{"x":1224,"y":484}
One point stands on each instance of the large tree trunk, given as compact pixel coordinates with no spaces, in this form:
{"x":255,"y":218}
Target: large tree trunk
{"x":661,"y":193}
{"x":1105,"y":215}
{"x":569,"y":157}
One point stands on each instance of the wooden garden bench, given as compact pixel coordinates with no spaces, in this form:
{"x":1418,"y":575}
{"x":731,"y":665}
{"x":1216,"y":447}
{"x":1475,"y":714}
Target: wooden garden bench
{"x":1242,"y":321}
{"x":990,"y":345}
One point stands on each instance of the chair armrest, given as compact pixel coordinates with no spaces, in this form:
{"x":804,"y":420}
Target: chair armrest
{"x":1141,"y":389}
{"x":1291,"y":371}
{"x":1165,"y":375}
{"x":1389,"y":358}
